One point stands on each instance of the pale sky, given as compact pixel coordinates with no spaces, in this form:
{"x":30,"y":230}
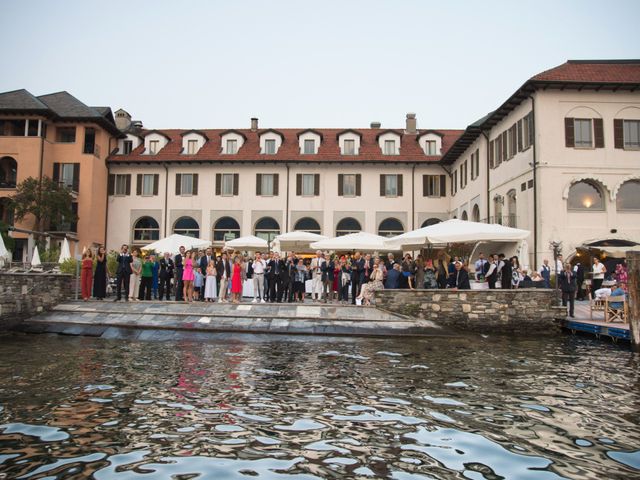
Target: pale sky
{"x":216,"y":64}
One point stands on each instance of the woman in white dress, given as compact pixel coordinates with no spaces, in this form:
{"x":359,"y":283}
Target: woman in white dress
{"x":210,"y":290}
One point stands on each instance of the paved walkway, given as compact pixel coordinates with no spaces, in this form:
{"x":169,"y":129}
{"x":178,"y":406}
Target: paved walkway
{"x":163,"y":319}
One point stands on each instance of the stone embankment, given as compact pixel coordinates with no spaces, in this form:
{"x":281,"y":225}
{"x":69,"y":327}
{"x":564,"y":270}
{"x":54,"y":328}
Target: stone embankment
{"x":525,"y":310}
{"x":23,"y":295}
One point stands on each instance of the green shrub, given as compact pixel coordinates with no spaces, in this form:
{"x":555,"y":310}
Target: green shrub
{"x":69,"y":266}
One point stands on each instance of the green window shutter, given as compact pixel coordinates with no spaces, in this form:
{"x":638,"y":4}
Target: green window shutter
{"x":111,"y":185}
{"x":218,"y":184}
{"x":178,"y":183}
{"x":443,"y":185}
{"x":340,"y":184}
{"x":598,"y":132}
{"x":128,"y":185}
{"x":299,"y":184}
{"x":236,"y":183}
{"x":156,"y":182}
{"x":258,"y":184}
{"x":382,"y":185}
{"x":618,"y":133}
{"x":358,"y":185}
{"x":195,"y":184}
{"x":276,"y":184}
{"x":139,"y":184}
{"x":569,"y":134}
{"x":316,"y":184}
{"x":400,"y":185}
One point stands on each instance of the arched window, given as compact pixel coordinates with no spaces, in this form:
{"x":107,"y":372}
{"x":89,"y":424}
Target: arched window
{"x":346,"y":226}
{"x":628,"y":197}
{"x":226,"y":228}
{"x":146,"y":229}
{"x":464,"y":215}
{"x":430,"y":221}
{"x":390,"y":227}
{"x":267,"y":228}
{"x":8,"y":172}
{"x":585,"y":195}
{"x":187,"y":226}
{"x":307,"y":224}
{"x":512,"y":208}
{"x":475,"y":213}
{"x":498,"y":202}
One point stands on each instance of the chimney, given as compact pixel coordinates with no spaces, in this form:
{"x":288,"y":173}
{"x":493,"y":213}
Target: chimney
{"x":376,"y":124}
{"x":123,"y":119}
{"x":254,"y":124}
{"x":411,"y":124}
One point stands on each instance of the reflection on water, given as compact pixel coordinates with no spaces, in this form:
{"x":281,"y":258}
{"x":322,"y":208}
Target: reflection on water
{"x":477,"y":408}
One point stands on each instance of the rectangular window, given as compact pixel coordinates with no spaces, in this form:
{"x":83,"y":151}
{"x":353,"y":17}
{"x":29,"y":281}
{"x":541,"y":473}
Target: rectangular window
{"x":463,"y":174}
{"x":430,"y":147}
{"x":232,"y":147}
{"x":527,"y":131}
{"x":389,"y":147}
{"x":89,"y":140}
{"x":582,"y":133}
{"x":32,"y":130}
{"x":349,"y":185}
{"x":153,"y":146}
{"x":148,"y":184}
{"x":66,"y":134}
{"x":66,"y":174}
{"x":227,"y":184}
{"x":530,"y":184}
{"x":390,"y":185}
{"x":270,"y":147}
{"x":127,"y":146}
{"x":308,"y":182}
{"x":433,"y":184}
{"x":454,"y":184}
{"x":186,"y":184}
{"x":631,"y":133}
{"x":349,"y":147}
{"x":192,"y":147}
{"x":513,"y":144}
{"x":267,"y":181}
{"x":523,"y":186}
{"x":309,"y":147}
{"x":121,"y":183}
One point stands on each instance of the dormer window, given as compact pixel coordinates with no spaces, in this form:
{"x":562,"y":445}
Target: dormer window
{"x":309,"y":147}
{"x":270,"y":147}
{"x":127,"y":146}
{"x":153,"y":146}
{"x":389,"y":147}
{"x":192,"y":147}
{"x":349,"y":147}
{"x":154,"y":141}
{"x":430,"y":147}
{"x":430,"y":142}
{"x":232,"y":147}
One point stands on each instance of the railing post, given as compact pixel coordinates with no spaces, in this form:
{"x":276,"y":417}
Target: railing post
{"x":633,"y":266}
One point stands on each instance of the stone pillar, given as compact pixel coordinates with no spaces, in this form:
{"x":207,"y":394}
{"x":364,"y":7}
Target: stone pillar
{"x":633,"y":265}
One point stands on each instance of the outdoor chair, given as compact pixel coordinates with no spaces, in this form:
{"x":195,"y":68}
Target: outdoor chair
{"x":597,"y":305}
{"x":612,"y":314}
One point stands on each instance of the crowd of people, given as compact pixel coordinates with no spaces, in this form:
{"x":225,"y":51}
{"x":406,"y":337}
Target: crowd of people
{"x":201,"y":275}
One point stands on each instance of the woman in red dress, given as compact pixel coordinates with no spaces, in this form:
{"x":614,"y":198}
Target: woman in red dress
{"x":86,"y":277}
{"x":236,"y":280}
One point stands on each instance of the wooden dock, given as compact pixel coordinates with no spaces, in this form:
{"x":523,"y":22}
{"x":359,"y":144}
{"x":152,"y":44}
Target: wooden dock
{"x":596,"y":326}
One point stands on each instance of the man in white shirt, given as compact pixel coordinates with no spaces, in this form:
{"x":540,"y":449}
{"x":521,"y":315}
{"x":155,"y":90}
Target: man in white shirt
{"x":316,"y":276}
{"x":259,"y":266}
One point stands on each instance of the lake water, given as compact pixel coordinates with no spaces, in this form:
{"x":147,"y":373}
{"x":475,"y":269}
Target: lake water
{"x":274,"y":407}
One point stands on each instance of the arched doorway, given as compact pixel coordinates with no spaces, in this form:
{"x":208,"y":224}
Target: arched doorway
{"x":430,"y":221}
{"x":475,"y":213}
{"x":226,"y":228}
{"x":187,"y":226}
{"x":464,"y":215}
{"x":8,"y":172}
{"x":146,"y":229}
{"x":512,"y":209}
{"x":267,"y":228}
{"x":307,"y":224}
{"x":347,"y":225}
{"x":390,"y":227}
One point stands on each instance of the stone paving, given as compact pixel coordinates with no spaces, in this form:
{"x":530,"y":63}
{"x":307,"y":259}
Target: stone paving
{"x":161,"y":320}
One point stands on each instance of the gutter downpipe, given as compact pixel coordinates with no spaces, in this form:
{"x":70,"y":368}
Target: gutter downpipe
{"x":166,"y":197}
{"x":286,"y":211}
{"x":106,"y":216}
{"x":535,"y":186}
{"x":413,"y":196}
{"x":486,"y":137}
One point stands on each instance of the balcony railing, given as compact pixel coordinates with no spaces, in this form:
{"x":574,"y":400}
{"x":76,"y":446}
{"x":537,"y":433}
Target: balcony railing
{"x":506,"y":220}
{"x":92,"y":148}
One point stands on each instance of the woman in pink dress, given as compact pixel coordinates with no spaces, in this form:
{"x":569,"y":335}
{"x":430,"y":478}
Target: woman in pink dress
{"x":236,"y":280}
{"x":188,"y":277}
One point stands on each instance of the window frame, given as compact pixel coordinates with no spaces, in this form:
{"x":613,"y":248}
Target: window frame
{"x":387,"y":150}
{"x":223,"y":193}
{"x":349,"y":176}
{"x":153,"y":147}
{"x":352,"y":143}
{"x":145,"y":176}
{"x":594,"y":185}
{"x":306,"y":143}
{"x":231,"y":142}
{"x":427,"y":147}
{"x":120,"y":178}
{"x":635,"y":146}
{"x":263,"y":177}
{"x":313,"y":184}
{"x":582,"y":144}
{"x":267,"y":143}
{"x":192,"y":147}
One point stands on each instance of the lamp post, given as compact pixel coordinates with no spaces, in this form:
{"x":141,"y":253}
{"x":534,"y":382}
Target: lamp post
{"x":557,"y":250}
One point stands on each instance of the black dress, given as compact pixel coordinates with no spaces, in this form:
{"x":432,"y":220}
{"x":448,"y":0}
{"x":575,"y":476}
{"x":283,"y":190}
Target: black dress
{"x":100,"y":279}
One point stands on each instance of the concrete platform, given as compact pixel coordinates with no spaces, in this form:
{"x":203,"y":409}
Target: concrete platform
{"x":160,"y":320}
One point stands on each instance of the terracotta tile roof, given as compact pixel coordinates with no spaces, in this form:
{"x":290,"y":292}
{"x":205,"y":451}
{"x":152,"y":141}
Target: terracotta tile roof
{"x":588,"y":71}
{"x":329,"y":150}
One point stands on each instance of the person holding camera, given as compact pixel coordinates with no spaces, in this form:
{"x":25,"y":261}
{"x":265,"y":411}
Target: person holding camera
{"x":123,"y":273}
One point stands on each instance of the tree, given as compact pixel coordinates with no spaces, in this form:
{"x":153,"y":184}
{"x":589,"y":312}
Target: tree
{"x":47,"y":200}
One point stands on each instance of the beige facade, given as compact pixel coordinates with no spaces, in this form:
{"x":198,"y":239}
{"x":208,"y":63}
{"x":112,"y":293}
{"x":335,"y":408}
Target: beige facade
{"x":537,"y":186}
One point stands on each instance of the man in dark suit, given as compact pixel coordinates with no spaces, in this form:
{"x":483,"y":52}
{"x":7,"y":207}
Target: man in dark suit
{"x":459,"y":279}
{"x":275,"y":268}
{"x":505,"y":273}
{"x":123,"y":273}
{"x":357,"y":267}
{"x":166,"y":274}
{"x":204,"y":263}
{"x":288,"y":278}
{"x":223,"y":275}
{"x":568,"y":286}
{"x":177,"y":261}
{"x":491,"y":271}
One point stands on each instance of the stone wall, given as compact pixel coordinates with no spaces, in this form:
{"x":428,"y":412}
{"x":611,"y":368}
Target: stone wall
{"x":498,"y":311}
{"x":25,"y":294}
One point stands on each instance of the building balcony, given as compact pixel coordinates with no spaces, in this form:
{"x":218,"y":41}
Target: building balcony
{"x":91,"y":149}
{"x":506,"y":220}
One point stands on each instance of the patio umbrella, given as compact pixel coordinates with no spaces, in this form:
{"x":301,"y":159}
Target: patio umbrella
{"x":173,"y":242}
{"x":296,"y":241}
{"x":362,"y":241}
{"x":4,"y":253}
{"x":35,"y":261}
{"x":456,"y":231}
{"x":250,"y":242}
{"x":65,"y":252}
